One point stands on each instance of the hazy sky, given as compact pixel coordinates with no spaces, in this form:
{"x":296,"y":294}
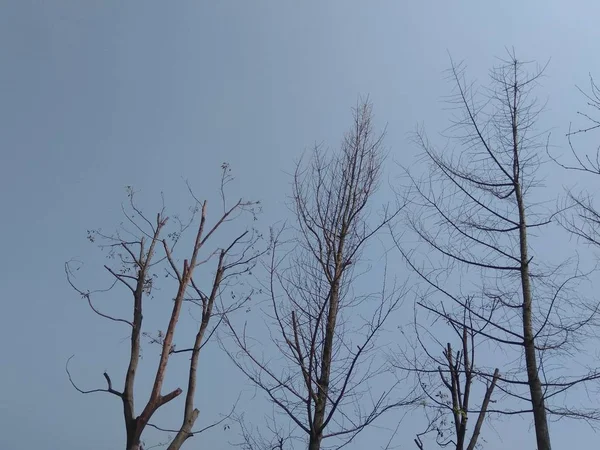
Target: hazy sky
{"x":97,"y":95}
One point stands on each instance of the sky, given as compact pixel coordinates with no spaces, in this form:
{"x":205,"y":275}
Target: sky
{"x":99,"y":95}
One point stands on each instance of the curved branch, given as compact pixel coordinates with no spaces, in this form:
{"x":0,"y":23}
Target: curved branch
{"x":109,"y":390}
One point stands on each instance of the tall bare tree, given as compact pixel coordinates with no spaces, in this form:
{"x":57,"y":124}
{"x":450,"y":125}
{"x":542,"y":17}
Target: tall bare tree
{"x":476,"y":210}
{"x":324,"y":331}
{"x":144,"y":248}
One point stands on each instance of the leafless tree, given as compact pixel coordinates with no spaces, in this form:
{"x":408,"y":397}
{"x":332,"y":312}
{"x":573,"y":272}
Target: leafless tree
{"x":452,"y":382}
{"x":323,"y":331}
{"x":476,"y":211}
{"x":278,"y":438}
{"x":143,"y":249}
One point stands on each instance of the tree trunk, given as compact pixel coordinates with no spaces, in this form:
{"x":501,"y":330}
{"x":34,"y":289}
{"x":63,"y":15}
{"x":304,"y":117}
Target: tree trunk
{"x":185,"y":432}
{"x":314,"y":442}
{"x":133,"y":437}
{"x":535,"y":385}
{"x":134,"y":446}
{"x":326,"y":359}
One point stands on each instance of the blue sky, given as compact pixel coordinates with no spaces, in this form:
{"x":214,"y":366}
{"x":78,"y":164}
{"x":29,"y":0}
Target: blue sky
{"x":97,"y":95}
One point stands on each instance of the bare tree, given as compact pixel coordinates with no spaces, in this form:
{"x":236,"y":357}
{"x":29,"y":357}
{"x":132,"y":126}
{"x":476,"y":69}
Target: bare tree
{"x":324,"y":332}
{"x":450,"y":382}
{"x":142,"y":249}
{"x":476,"y":211}
{"x":255,"y":439}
